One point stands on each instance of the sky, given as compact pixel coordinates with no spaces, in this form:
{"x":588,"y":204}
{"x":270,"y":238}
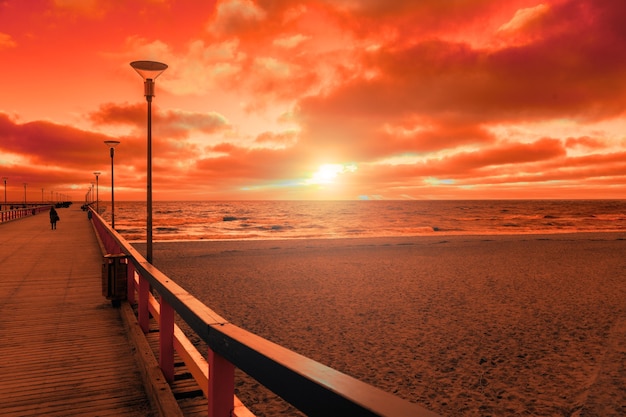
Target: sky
{"x":315,"y":99}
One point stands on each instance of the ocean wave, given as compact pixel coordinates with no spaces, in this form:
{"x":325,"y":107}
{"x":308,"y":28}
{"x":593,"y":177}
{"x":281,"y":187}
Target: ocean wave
{"x":336,"y":219}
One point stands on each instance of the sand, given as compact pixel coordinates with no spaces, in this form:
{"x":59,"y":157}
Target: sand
{"x":512,"y":325}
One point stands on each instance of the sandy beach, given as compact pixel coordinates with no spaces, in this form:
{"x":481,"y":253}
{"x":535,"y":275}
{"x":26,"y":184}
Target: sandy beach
{"x":506,"y":325}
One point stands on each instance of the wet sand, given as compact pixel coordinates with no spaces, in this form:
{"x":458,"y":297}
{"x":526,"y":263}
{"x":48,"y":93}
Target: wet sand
{"x":511,"y":325}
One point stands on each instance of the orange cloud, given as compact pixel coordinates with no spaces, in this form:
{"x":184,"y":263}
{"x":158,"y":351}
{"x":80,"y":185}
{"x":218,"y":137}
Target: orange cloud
{"x":585,"y":142}
{"x":6,"y":41}
{"x":233,"y":17}
{"x":89,"y":8}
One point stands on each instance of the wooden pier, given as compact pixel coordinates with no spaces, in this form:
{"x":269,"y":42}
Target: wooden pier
{"x":64,"y":350}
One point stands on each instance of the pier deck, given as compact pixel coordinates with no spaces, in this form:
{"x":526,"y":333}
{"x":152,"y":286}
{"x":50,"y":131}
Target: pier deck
{"x":63,"y":348}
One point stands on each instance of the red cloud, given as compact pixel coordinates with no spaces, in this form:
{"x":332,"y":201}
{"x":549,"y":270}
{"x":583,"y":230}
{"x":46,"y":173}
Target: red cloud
{"x":54,"y":156}
{"x":516,"y":153}
{"x":171,"y":123}
{"x":572,"y":71}
{"x":251,"y":166}
{"x":46,"y":143}
{"x":111,"y":114}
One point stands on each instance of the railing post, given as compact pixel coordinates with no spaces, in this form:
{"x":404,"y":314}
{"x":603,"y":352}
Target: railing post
{"x":221,"y":386}
{"x":143,"y":310}
{"x":166,"y":340}
{"x":130,"y":283}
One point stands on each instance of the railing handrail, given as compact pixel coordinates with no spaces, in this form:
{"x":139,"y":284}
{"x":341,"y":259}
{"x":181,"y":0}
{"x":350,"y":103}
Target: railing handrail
{"x":310,"y":386}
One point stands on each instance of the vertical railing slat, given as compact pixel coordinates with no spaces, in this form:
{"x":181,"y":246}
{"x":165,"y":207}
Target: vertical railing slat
{"x":130,"y":283}
{"x":143,"y":312}
{"x":166,"y":340}
{"x":221,"y":385}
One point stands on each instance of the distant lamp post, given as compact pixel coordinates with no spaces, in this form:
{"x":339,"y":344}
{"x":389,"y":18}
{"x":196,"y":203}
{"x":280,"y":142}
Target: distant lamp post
{"x":97,"y":173}
{"x":25,"y":184}
{"x":149,"y":71}
{"x":112,"y":144}
{"x":5,"y":190}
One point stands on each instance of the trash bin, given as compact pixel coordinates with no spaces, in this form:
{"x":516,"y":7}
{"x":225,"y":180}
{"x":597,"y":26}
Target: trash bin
{"x":114,"y":281}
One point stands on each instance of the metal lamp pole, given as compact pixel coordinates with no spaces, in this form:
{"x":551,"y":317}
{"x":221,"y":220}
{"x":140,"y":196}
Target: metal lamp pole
{"x":25,"y":184}
{"x":5,"y":191}
{"x":97,"y":173}
{"x":112,"y":144}
{"x":149,"y":71}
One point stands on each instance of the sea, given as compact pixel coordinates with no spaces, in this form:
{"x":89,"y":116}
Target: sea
{"x":278,"y":219}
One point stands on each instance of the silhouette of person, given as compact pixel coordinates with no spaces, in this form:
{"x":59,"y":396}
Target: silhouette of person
{"x":54,"y":217}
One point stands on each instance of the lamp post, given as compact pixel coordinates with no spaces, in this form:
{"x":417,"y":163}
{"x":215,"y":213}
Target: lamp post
{"x":149,"y":71}
{"x":112,"y":144}
{"x":97,"y":173}
{"x":5,"y":191}
{"x":25,"y":184}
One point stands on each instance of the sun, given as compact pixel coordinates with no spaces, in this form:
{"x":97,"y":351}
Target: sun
{"x":327,"y":173}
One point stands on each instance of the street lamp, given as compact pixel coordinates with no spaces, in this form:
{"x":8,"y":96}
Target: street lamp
{"x":149,"y":71}
{"x":97,"y":173}
{"x":112,"y":144}
{"x":5,"y":190}
{"x":25,"y":184}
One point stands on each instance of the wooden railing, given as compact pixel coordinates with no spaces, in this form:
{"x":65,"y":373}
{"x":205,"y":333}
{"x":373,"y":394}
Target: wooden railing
{"x":313,"y":388}
{"x":18,"y":213}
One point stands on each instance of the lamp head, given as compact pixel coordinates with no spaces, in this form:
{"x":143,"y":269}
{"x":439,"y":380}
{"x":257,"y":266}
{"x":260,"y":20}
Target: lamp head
{"x":149,"y":70}
{"x":112,"y":144}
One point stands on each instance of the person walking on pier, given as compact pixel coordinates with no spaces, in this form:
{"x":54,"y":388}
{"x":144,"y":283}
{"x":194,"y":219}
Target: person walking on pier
{"x":54,"y":217}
